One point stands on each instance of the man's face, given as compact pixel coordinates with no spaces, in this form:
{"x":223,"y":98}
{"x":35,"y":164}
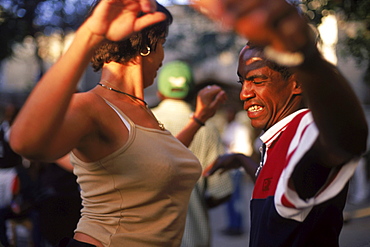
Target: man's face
{"x":267,"y":96}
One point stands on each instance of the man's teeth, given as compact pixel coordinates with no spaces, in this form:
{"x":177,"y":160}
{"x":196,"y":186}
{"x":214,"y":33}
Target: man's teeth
{"x":255,"y":108}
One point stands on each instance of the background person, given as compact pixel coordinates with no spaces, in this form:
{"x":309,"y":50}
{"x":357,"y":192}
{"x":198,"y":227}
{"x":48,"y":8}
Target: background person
{"x":175,"y":84}
{"x":237,"y":137}
{"x":58,"y":200}
{"x":17,"y":188}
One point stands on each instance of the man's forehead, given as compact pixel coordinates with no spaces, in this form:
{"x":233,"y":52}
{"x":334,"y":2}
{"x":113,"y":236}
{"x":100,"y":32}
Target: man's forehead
{"x":252,"y":63}
{"x":252,"y":58}
{"x":248,"y":53}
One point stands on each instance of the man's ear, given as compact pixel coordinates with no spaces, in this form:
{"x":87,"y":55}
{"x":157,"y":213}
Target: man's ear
{"x":296,"y":84}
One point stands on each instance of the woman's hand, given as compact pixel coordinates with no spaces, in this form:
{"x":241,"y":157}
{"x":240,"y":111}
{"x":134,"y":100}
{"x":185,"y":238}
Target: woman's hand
{"x":209,"y":100}
{"x":117,"y":19}
{"x":269,"y":22}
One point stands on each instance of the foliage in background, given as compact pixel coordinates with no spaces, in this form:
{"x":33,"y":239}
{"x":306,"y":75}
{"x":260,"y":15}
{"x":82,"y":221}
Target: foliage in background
{"x":8,"y":33}
{"x":357,"y":40}
{"x":194,"y":38}
{"x":21,"y":18}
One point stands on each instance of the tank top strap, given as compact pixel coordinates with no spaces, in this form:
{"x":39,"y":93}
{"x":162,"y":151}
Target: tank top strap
{"x":126,"y":121}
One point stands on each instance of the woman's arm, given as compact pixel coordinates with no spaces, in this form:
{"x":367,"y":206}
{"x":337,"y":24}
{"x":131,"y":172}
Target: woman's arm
{"x":49,"y":124}
{"x":65,"y":163}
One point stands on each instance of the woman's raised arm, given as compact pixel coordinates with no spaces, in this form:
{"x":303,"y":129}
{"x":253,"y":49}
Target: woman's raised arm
{"x":49,"y":125}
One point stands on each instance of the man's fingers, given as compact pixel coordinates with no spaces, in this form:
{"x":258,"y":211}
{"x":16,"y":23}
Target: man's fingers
{"x":209,"y":170}
{"x":270,"y":22}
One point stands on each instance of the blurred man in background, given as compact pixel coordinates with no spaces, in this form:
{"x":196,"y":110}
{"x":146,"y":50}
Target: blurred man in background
{"x":175,"y":84}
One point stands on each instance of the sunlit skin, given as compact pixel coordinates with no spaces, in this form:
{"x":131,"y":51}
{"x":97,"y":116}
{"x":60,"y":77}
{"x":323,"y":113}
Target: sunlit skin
{"x":152,"y":63}
{"x":267,"y":96}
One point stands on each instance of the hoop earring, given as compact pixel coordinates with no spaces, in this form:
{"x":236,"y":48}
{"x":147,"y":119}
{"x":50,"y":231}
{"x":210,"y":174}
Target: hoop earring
{"x":147,"y":53}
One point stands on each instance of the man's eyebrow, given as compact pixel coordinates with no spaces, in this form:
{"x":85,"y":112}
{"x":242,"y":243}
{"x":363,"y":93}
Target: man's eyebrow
{"x":249,"y":78}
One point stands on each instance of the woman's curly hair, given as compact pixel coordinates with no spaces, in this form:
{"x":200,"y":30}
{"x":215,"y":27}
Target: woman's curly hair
{"x":124,"y":50}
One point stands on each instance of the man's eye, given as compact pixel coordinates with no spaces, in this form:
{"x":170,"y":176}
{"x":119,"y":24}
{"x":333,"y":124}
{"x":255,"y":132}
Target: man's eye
{"x":258,"y":80}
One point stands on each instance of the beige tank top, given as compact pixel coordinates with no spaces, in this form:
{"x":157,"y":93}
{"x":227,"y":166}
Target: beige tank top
{"x":138,"y":195}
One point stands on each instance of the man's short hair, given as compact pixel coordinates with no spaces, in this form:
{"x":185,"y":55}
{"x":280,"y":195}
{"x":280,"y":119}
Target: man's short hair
{"x":284,"y":71}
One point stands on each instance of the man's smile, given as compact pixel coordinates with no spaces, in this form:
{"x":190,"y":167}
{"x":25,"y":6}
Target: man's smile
{"x":255,"y":108}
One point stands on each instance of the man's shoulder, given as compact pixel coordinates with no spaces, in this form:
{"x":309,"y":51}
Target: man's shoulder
{"x":300,"y":121}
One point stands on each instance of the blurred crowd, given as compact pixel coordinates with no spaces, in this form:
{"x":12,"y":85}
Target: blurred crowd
{"x":40,"y":202}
